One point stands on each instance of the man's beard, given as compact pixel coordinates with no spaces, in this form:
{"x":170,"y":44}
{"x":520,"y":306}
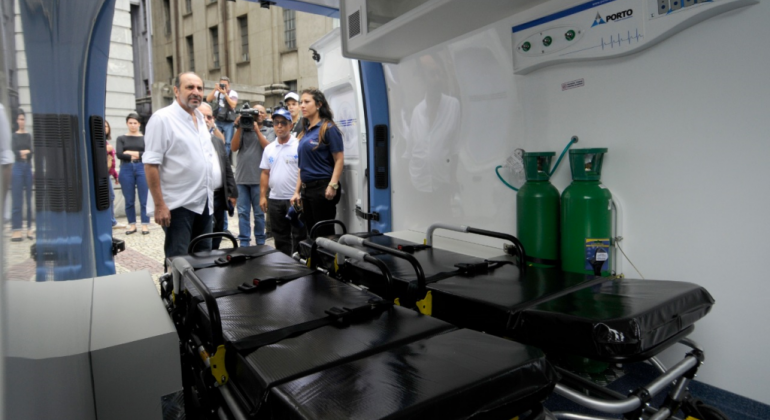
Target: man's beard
{"x":191,"y":105}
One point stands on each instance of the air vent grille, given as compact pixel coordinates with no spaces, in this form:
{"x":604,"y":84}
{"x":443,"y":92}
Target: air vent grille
{"x":354,"y":24}
{"x":57,"y":167}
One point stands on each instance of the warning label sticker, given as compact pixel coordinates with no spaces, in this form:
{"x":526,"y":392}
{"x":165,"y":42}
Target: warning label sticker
{"x":597,"y":252}
{"x":573,"y":84}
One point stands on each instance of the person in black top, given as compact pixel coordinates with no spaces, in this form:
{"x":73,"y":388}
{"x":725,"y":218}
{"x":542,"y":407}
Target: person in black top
{"x":130,"y":148}
{"x":21,"y":179}
{"x":226,"y":190}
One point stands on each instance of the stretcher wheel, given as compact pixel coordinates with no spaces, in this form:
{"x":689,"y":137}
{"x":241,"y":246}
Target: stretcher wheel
{"x":696,"y":409}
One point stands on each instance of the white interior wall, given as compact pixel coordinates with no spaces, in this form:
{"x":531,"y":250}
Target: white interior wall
{"x":686,"y":123}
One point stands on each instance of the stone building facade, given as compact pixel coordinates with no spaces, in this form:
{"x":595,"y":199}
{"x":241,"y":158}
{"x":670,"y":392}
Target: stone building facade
{"x":264,"y":51}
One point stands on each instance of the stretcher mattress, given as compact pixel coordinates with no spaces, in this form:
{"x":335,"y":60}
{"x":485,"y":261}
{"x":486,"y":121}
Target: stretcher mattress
{"x":639,"y":316}
{"x":442,"y":377}
{"x":254,"y":375}
{"x":614,"y":320}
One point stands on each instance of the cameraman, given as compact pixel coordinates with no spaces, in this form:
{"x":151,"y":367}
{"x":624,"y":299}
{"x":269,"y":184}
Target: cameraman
{"x":226,"y":99}
{"x":251,"y":137}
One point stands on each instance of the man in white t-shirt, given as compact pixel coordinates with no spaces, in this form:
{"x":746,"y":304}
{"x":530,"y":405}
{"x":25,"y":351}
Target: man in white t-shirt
{"x":279,"y":173}
{"x":227,"y":100}
{"x":181,"y":167}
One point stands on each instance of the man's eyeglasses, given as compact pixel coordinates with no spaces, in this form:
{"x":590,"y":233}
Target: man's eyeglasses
{"x":209,"y":117}
{"x":281,"y":122}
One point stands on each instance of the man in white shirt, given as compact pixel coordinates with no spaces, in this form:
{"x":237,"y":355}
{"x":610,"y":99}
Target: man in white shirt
{"x":179,"y":162}
{"x":279,"y":173}
{"x":227,"y":99}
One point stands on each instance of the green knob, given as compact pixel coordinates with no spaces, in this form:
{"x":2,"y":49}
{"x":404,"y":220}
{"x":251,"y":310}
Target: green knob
{"x":547,"y":41}
{"x":570,"y":35}
{"x":526,"y":46}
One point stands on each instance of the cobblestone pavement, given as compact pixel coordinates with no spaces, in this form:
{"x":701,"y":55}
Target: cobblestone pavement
{"x":143,"y":252}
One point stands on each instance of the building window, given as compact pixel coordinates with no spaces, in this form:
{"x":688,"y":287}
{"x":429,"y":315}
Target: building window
{"x":143,"y":10}
{"x":170,"y":62}
{"x":191,"y":52}
{"x":188,"y":6}
{"x":243,"y":24}
{"x":289,"y":29}
{"x":292,"y":84}
{"x":214,"y":31}
{"x":167,"y":16}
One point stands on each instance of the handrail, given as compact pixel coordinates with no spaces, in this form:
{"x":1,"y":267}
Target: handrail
{"x":355,"y":240}
{"x":357,"y":254}
{"x":323,"y":223}
{"x":467,"y":229}
{"x":183,"y":267}
{"x":227,"y":235}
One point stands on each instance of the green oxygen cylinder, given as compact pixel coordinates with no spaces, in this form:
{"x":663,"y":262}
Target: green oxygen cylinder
{"x":537,"y":211}
{"x":586,"y":216}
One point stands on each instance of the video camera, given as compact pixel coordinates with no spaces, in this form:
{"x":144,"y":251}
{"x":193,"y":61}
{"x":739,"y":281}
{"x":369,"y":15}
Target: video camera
{"x":248,"y":116}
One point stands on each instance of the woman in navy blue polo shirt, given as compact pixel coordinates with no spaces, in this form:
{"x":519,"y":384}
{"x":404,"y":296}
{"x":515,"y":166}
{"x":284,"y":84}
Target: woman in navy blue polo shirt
{"x":321,"y":158}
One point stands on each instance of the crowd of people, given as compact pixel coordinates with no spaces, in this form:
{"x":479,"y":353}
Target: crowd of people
{"x":287,"y":165}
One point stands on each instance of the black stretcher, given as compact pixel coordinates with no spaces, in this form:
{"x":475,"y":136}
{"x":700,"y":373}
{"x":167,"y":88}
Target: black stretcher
{"x":279,"y":340}
{"x":565,"y":314}
{"x":605,"y":319}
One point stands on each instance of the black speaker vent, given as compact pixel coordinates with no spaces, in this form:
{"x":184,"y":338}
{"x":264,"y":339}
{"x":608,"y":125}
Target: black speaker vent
{"x":101,"y":171}
{"x":381,"y":152}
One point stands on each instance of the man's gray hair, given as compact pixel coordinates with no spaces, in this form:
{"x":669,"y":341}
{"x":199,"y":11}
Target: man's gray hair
{"x":204,"y":103}
{"x":177,"y":80}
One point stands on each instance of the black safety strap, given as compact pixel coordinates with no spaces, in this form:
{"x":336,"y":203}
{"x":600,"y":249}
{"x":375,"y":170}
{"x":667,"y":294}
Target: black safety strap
{"x":232,"y":258}
{"x":335,"y":315}
{"x":467,"y":269}
{"x":261,"y":284}
{"x":544,"y":261}
{"x":411,"y":249}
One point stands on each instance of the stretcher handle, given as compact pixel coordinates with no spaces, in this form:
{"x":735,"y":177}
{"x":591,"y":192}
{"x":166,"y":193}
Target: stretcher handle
{"x":357,"y":254}
{"x":467,"y":229}
{"x":355,"y":240}
{"x":183,"y":267}
{"x":227,"y":235}
{"x":323,"y":223}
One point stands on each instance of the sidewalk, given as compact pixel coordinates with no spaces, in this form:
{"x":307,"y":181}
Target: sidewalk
{"x":143,"y":252}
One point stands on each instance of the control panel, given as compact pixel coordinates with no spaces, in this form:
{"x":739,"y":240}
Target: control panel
{"x":606,"y":28}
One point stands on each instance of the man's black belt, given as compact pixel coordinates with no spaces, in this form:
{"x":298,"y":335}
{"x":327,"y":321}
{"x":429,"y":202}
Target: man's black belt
{"x":311,"y":184}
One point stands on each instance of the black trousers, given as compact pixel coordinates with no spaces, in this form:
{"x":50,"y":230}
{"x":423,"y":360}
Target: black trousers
{"x":286,"y":236}
{"x":316,"y":208}
{"x":219,"y":216}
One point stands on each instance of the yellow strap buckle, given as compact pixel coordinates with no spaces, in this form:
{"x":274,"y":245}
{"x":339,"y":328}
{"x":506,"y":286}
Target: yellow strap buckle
{"x":217,"y":362}
{"x":425,"y":306}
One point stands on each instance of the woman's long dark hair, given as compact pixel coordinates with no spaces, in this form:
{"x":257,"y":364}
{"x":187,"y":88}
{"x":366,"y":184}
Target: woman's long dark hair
{"x":324,"y":111}
{"x":108,"y":134}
